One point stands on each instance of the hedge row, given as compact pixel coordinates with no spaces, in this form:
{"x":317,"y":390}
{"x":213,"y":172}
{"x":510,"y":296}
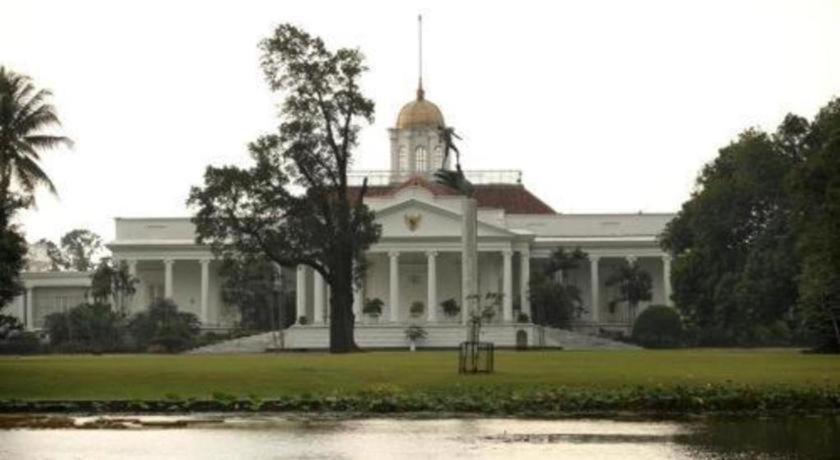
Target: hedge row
{"x":489,"y":401}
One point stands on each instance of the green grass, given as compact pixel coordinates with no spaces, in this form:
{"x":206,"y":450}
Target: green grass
{"x":154,"y":377}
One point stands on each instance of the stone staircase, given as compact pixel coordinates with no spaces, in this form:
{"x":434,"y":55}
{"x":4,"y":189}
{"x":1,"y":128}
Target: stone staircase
{"x":392,"y":336}
{"x":571,"y":340}
{"x":257,"y":343}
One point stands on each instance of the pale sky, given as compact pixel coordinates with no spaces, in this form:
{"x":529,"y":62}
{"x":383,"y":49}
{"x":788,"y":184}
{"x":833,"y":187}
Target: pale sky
{"x":606,"y":106}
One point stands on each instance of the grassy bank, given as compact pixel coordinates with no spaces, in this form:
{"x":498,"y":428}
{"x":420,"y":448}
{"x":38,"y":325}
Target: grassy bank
{"x":428,"y":381}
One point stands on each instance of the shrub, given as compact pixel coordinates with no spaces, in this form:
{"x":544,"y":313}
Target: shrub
{"x":417,"y":308}
{"x":9,"y":324}
{"x":87,"y":327}
{"x":373,"y":307}
{"x":415,"y":332}
{"x":20,"y":343}
{"x":303,"y":321}
{"x":522,"y":317}
{"x":659,"y":326}
{"x":450,"y":307}
{"x":162,"y":328}
{"x":774,"y":334}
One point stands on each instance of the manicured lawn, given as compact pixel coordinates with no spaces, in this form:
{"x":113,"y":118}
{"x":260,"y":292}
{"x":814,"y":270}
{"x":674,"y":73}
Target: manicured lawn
{"x":266,"y":376}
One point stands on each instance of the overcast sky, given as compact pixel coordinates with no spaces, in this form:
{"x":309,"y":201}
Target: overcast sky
{"x":606,"y":106}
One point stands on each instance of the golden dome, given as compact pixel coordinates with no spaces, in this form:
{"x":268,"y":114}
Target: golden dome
{"x":420,"y":113}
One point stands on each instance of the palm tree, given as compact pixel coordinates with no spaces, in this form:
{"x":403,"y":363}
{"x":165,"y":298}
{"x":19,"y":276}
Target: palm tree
{"x":24,"y":115}
{"x":634,"y":286}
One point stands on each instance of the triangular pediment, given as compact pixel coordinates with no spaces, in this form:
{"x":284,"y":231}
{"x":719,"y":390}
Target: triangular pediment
{"x":416,"y":218}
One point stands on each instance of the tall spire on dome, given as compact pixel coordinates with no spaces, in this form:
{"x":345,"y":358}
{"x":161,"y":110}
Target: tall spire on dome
{"x":420,"y":92}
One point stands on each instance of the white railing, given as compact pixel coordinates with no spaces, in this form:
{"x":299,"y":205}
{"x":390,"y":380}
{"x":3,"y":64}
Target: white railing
{"x":485,"y":176}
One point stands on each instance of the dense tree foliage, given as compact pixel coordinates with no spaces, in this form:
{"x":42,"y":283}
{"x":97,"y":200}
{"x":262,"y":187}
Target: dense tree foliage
{"x":293,"y":205}
{"x":815,"y":189}
{"x":12,"y":251}
{"x":555,"y":301}
{"x":756,"y":244}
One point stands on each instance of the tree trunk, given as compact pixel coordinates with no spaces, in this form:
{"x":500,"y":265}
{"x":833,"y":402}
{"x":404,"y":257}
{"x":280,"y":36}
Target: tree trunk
{"x":342,"y":320}
{"x":834,"y":324}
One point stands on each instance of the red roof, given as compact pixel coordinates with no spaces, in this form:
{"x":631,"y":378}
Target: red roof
{"x":512,"y":198}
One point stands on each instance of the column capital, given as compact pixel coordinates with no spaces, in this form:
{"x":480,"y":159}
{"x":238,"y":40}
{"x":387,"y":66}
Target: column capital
{"x":507,"y":252}
{"x":594,"y":258}
{"x":168,"y":261}
{"x":204,"y":261}
{"x":301,"y":267}
{"x":667,"y":257}
{"x":393,"y":254}
{"x":631,"y":259}
{"x":431,"y":254}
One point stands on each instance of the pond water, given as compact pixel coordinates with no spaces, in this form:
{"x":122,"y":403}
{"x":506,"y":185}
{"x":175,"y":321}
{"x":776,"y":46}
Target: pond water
{"x":270,"y":437}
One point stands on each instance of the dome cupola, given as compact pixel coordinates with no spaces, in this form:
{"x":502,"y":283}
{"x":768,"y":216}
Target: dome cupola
{"x":420,"y":113}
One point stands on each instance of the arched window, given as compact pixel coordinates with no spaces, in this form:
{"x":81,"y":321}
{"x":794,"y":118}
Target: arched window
{"x":420,"y":159}
{"x":402,"y":160}
{"x":438,"y":158}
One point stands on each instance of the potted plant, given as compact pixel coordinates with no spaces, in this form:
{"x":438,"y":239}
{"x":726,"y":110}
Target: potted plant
{"x":414,"y":333}
{"x":522,"y":317}
{"x":373,"y":308}
{"x":416,"y":308}
{"x":302,"y":320}
{"x":450,"y":308}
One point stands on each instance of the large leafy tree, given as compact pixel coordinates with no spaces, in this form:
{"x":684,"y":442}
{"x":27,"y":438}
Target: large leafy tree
{"x":815,"y":190}
{"x":26,"y":117}
{"x":733,"y":240}
{"x":293,"y":205}
{"x":57,"y":260}
{"x":80,"y":249}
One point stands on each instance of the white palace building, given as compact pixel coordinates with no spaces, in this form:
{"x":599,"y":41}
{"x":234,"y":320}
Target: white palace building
{"x":417,"y":260}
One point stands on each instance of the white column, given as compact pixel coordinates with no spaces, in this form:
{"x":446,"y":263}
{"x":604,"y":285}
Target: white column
{"x":507,"y":285}
{"x":205,"y":291}
{"x":666,"y":277}
{"x":30,"y":309}
{"x":167,"y":278}
{"x":358,"y":295}
{"x":394,"y":300}
{"x":300,"y":291}
{"x":318,"y":297}
{"x":593,"y":282}
{"x":525,"y":269}
{"x":358,"y":301}
{"x":431,"y":286}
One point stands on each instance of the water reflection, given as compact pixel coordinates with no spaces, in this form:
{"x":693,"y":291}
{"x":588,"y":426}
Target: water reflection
{"x":270,"y":437}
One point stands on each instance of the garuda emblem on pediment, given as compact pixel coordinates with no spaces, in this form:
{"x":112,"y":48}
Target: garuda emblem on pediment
{"x":412,"y":221}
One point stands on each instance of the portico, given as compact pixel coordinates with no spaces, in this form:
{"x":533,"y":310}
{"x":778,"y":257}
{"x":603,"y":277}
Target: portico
{"x":162,"y":254}
{"x":410,"y":275}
